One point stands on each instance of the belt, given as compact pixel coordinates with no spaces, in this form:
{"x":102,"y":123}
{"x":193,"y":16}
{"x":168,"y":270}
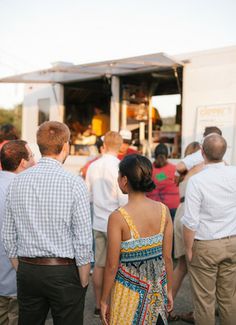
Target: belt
{"x":226,"y":237}
{"x":47,"y":260}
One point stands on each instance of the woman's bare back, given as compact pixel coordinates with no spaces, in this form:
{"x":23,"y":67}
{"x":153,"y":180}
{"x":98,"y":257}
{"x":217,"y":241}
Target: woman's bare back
{"x":146,"y":216}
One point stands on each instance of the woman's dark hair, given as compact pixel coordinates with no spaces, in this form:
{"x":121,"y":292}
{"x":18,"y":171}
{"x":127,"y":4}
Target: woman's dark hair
{"x":161,"y":149}
{"x":138,"y":170}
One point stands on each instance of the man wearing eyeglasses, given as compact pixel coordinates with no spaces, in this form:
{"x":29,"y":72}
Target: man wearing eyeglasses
{"x":16,"y":156}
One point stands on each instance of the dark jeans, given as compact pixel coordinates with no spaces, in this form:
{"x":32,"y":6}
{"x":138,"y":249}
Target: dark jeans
{"x":172,"y":213}
{"x":58,"y":288}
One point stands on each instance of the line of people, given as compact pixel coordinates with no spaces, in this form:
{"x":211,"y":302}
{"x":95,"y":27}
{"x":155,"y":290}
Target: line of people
{"x":47,"y":233}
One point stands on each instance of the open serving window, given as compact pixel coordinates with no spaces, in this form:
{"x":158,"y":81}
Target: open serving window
{"x":133,"y":93}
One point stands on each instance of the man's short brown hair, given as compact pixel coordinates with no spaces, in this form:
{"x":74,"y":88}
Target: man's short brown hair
{"x":51,"y":136}
{"x":214,"y":147}
{"x":12,"y":153}
{"x":113,"y":141}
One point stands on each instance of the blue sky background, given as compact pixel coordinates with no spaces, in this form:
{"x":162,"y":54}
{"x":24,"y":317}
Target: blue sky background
{"x":35,"y":33}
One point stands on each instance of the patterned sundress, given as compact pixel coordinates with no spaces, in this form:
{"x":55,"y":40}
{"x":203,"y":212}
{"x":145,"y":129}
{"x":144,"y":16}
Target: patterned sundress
{"x":139,"y":294}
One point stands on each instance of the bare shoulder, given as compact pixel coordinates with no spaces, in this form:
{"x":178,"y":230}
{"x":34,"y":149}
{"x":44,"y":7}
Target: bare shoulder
{"x":115,"y":217}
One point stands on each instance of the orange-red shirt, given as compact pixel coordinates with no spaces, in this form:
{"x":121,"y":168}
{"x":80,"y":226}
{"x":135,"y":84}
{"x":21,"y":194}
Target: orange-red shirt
{"x":130,"y":151}
{"x":166,"y":190}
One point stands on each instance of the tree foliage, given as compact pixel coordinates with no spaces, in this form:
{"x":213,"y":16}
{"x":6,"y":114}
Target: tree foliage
{"x":13,"y":116}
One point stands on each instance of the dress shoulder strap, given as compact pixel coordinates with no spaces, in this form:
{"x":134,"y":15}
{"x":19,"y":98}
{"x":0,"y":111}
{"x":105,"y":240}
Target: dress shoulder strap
{"x":163,"y":218}
{"x":128,"y":219}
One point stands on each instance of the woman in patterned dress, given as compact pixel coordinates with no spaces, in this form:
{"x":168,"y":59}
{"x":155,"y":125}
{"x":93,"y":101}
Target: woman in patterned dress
{"x":138,"y":274}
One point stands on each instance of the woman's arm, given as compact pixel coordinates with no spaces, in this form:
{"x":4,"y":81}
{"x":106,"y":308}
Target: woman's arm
{"x":114,"y":233}
{"x":167,"y":254}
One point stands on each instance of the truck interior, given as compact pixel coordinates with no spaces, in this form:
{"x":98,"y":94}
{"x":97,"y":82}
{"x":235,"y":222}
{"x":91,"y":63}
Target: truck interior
{"x":137,"y":89}
{"x":143,"y":81}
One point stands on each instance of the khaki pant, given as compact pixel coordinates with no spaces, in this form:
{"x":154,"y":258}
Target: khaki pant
{"x":100,"y":248}
{"x":213,"y":277}
{"x":8,"y":311}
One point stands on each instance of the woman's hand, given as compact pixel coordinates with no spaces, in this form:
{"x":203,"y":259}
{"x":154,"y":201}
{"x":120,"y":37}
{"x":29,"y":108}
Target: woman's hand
{"x":104,"y":313}
{"x":170,"y":303}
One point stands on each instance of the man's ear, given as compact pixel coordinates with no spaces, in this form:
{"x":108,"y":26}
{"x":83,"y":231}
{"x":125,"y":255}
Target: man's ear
{"x":22,"y":164}
{"x":203,"y":154}
{"x":65,"y":147}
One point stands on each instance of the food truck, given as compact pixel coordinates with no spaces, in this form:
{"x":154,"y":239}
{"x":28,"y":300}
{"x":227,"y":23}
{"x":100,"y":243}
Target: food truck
{"x":128,"y":92}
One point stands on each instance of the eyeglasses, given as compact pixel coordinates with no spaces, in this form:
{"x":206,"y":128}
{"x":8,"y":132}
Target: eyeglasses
{"x":31,"y":155}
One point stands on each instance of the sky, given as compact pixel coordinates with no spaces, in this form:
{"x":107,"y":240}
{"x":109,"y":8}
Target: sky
{"x":33,"y":34}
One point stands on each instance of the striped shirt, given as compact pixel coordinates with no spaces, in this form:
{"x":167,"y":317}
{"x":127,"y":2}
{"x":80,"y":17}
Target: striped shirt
{"x":7,"y":272}
{"x":48,"y":214}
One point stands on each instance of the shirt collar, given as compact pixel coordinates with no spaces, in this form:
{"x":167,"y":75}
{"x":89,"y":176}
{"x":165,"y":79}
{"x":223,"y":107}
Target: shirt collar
{"x":215,"y":165}
{"x":50,"y":161}
{"x":7,"y":173}
{"x":107,"y":154}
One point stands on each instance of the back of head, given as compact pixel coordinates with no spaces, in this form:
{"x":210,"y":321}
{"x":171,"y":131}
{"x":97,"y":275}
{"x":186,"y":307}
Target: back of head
{"x":138,"y":170}
{"x":112,"y":141}
{"x":8,"y":132}
{"x":98,"y":110}
{"x":12,"y":153}
{"x":51,"y":136}
{"x":161,"y":149}
{"x":211,"y":129}
{"x":214,"y":147}
{"x":191,"y":148}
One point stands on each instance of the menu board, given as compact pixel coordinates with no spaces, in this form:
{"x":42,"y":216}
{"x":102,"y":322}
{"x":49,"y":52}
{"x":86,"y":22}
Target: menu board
{"x":222,"y":116}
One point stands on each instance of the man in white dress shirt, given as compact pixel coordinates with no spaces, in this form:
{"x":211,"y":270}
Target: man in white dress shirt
{"x":106,"y":197}
{"x":210,"y":235}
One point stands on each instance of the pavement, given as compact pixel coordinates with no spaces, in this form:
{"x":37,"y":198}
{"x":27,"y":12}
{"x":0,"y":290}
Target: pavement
{"x":182,"y":304}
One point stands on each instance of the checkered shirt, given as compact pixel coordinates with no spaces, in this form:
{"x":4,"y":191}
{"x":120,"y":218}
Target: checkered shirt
{"x":48,"y":214}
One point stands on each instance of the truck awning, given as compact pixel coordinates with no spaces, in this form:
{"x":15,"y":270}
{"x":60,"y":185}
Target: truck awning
{"x":67,"y":73}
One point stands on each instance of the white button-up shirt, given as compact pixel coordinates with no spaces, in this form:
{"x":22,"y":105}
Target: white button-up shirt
{"x":192,"y":160}
{"x":210,"y":202}
{"x":101,"y":179}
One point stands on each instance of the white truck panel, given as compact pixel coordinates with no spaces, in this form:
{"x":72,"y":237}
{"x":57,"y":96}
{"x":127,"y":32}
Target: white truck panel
{"x":209,"y":79}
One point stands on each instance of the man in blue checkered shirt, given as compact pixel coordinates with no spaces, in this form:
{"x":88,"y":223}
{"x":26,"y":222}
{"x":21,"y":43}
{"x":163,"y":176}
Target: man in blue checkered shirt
{"x":47,"y":234}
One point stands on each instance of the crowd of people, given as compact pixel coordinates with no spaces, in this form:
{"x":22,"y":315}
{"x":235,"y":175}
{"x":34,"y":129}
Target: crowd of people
{"x":122,"y":215}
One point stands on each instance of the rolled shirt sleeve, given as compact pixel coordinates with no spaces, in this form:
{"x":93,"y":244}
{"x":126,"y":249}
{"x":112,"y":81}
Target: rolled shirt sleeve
{"x":81,"y":225}
{"x":9,"y":233}
{"x":192,"y":206}
{"x":192,"y":160}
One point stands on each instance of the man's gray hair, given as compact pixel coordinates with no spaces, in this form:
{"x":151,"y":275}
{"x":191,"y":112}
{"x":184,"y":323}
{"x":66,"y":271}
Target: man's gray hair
{"x":214,"y":147}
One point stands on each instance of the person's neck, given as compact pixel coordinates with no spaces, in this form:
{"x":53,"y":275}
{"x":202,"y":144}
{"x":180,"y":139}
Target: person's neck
{"x":136,"y":196}
{"x":55,"y":157}
{"x":113,"y":153}
{"x":207,"y":162}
